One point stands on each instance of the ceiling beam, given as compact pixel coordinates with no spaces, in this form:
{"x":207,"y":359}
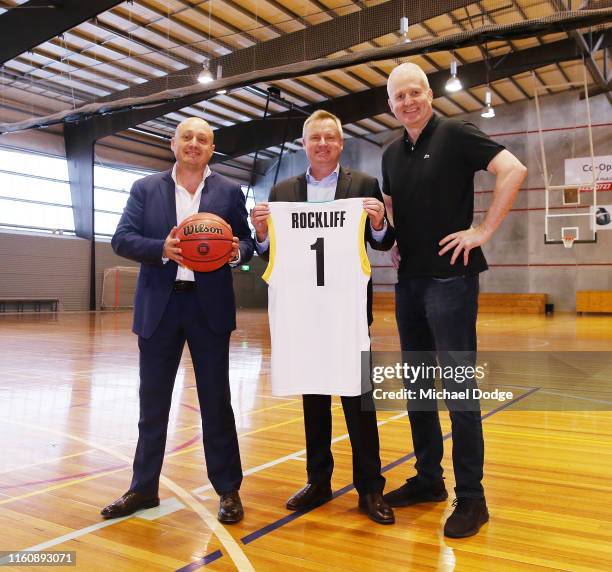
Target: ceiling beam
{"x":173,"y":99}
{"x":247,"y":137}
{"x":310,"y":43}
{"x":34,"y":22}
{"x":589,"y":60}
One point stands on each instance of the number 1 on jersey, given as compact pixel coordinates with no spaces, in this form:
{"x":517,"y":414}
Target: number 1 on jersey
{"x":317,"y":246}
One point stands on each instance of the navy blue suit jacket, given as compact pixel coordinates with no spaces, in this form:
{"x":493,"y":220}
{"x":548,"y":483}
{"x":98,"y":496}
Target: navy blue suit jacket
{"x":149,"y":215}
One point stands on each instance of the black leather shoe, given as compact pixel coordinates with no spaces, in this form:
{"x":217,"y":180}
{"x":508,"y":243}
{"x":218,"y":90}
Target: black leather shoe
{"x":230,"y":508}
{"x":128,"y":504}
{"x":467,"y":518}
{"x":312,"y":494}
{"x":416,"y":491}
{"x":376,"y":508}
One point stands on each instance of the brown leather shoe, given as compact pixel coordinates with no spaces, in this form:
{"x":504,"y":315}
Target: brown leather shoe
{"x":230,"y":508}
{"x":376,"y":508}
{"x":311,"y":495}
{"x":128,"y":504}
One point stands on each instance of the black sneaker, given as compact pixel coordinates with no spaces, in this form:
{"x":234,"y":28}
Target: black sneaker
{"x":416,"y":491}
{"x":467,"y":518}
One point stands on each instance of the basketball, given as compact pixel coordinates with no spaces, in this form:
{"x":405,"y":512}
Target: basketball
{"x":205,"y":241}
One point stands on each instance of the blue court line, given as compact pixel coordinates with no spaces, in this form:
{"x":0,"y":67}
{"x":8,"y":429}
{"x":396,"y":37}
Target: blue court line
{"x":297,"y":514}
{"x":201,"y":562}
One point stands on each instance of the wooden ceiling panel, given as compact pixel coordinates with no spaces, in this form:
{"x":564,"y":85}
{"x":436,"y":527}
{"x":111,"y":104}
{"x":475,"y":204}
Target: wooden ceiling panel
{"x":345,"y":80}
{"x":538,"y":9}
{"x":447,"y":107}
{"x":321,"y":85}
{"x":471,"y":54}
{"x":255,"y":23}
{"x":508,"y":90}
{"x":171,"y":6}
{"x":464,"y":101}
{"x":441,"y":25}
{"x":347,"y":8}
{"x":368,"y":74}
{"x":371,"y":125}
{"x":300,"y":90}
{"x":267,"y":11}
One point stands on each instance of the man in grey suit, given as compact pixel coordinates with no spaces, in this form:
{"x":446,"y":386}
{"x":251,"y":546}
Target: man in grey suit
{"x":325,"y":180}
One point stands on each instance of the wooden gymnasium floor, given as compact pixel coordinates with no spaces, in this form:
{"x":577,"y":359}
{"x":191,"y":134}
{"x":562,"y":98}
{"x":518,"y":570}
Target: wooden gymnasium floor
{"x":68,"y":414}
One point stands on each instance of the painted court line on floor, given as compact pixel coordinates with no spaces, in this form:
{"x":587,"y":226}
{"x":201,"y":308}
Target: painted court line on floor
{"x":213,"y":556}
{"x":171,"y":504}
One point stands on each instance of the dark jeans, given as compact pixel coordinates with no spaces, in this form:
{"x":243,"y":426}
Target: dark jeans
{"x":438,"y":315}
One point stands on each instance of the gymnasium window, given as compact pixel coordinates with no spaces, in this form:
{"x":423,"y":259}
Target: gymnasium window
{"x":111,"y":191}
{"x":34,"y":192}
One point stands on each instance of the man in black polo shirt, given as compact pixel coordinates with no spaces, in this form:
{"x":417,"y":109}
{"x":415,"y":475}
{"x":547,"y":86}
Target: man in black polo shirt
{"x":428,"y":184}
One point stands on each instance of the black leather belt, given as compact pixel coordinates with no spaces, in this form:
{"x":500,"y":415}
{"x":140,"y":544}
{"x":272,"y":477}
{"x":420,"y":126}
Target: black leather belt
{"x":183,"y":285}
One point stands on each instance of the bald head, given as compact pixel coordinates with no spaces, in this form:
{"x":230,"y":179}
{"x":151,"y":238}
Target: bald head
{"x":194,"y":123}
{"x":410,"y":97}
{"x":192,"y":144}
{"x":406,"y":71}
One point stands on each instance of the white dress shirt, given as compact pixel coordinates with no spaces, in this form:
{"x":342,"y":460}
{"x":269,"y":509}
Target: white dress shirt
{"x":187,"y":205}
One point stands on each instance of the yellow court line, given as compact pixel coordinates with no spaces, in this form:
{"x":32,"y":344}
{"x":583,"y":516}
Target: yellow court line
{"x":129,"y":461}
{"x":120,"y":444}
{"x":277,"y":406}
{"x":62,"y":485}
{"x":248,"y":433}
{"x":229,"y":543}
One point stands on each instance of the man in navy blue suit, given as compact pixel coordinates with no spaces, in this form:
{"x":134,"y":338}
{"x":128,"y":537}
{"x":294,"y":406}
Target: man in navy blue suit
{"x":174,"y":305}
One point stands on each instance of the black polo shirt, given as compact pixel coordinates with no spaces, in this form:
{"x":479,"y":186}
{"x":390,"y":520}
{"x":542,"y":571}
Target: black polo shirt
{"x":432,"y":187}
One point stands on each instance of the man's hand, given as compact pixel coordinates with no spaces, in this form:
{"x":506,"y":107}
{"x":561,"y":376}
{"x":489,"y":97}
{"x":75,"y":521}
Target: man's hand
{"x":376,"y":212}
{"x":171,"y":247}
{"x":395,"y":256}
{"x":259,"y":219}
{"x":235,"y":248}
{"x":464,"y":240}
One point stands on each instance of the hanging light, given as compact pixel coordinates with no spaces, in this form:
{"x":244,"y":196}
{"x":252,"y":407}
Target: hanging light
{"x":404,"y":39}
{"x":488,"y":110}
{"x":454,"y":83}
{"x":205,"y":76}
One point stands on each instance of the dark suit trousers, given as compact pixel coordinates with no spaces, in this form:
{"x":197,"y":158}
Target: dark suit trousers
{"x":363,"y":433}
{"x":160,"y":355}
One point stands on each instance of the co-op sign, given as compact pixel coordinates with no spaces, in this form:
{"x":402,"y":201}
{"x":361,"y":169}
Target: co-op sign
{"x":580,"y":170}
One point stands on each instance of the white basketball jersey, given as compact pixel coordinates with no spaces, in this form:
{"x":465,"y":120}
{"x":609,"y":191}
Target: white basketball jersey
{"x":317,"y":296}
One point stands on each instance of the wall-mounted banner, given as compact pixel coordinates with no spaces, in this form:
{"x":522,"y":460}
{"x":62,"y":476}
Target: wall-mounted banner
{"x":579,"y":170}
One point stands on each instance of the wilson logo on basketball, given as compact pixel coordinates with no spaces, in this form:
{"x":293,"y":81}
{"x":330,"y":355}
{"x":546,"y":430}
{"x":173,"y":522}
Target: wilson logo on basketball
{"x":195,"y":228}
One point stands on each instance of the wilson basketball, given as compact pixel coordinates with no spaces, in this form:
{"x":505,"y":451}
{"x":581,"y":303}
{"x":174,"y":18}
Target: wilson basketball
{"x":205,"y":241}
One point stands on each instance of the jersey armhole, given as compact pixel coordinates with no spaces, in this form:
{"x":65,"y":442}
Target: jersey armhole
{"x":363,"y":254}
{"x":272,"y":237}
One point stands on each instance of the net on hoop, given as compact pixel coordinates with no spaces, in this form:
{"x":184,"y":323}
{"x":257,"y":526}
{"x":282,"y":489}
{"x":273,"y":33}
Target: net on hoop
{"x":568,"y":241}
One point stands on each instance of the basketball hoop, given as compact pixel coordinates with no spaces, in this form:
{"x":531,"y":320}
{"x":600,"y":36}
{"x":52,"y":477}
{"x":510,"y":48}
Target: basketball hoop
{"x":568,"y":241}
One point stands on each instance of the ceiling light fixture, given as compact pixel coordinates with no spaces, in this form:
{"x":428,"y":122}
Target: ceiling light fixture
{"x":488,"y":110}
{"x":404,"y":26}
{"x":205,"y":76}
{"x":454,"y":83}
